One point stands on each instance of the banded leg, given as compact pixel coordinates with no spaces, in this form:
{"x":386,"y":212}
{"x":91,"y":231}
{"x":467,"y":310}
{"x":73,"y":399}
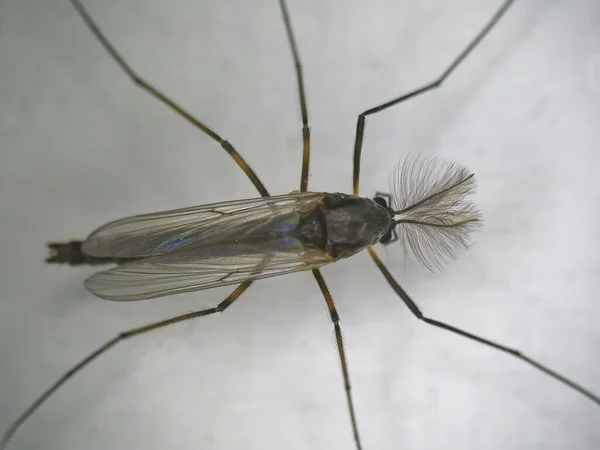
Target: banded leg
{"x":110,"y":344}
{"x":140,"y":82}
{"x":303,"y":109}
{"x":303,"y":187}
{"x":360,"y":123}
{"x":335,"y":318}
{"x":436,"y":323}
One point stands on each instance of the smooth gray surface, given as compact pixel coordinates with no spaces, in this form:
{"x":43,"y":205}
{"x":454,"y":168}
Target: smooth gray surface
{"x":81,"y":145}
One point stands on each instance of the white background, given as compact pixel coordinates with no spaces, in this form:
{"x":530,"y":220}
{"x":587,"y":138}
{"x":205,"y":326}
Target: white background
{"x":80,"y":145}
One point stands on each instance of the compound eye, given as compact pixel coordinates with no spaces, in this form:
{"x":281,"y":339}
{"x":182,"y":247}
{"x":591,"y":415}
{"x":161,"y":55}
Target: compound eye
{"x":381,"y":201}
{"x":387,"y":238}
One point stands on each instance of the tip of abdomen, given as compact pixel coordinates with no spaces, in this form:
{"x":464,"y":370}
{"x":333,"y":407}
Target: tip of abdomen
{"x":66,"y":253}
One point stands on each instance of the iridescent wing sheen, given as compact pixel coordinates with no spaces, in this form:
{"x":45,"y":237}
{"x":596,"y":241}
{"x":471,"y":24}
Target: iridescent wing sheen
{"x":203,"y":247}
{"x":196,"y":227}
{"x":170,"y":274}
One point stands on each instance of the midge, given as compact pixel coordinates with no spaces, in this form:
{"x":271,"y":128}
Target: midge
{"x":238,"y":242}
{"x":233,"y":242}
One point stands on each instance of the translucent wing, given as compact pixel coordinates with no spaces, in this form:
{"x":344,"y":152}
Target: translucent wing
{"x":169,"y":274}
{"x":197,"y":227}
{"x":204,"y":247}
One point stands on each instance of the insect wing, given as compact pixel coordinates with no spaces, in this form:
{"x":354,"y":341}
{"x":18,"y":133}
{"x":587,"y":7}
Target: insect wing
{"x":199,"y":226}
{"x":202,"y":247}
{"x":169,"y":274}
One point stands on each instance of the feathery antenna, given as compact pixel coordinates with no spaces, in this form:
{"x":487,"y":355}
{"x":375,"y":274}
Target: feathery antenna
{"x":433,"y":213}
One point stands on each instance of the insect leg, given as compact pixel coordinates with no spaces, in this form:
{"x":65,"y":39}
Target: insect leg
{"x":139,"y":81}
{"x":360,"y":123}
{"x":335,"y":318}
{"x":303,"y":187}
{"x":107,"y":346}
{"x":436,"y":323}
{"x":304,"y":111}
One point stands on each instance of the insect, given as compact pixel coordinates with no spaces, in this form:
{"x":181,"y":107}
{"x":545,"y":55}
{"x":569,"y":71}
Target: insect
{"x":277,"y":207}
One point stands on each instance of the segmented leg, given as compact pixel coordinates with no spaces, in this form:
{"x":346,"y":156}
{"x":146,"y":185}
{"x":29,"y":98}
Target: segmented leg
{"x":335,"y":318}
{"x":303,"y":187}
{"x":410,"y":304}
{"x":139,"y":81}
{"x":110,"y":344}
{"x":360,"y":123}
{"x":302,"y":96}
